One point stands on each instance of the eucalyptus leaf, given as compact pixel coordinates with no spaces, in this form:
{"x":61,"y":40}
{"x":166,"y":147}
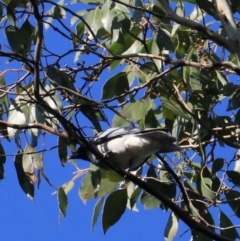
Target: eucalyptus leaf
{"x":114,"y":208}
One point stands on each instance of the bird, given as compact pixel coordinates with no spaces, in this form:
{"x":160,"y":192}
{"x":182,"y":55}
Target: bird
{"x":127,"y":148}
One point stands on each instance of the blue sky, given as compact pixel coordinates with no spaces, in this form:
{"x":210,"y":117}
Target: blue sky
{"x":22,"y":219}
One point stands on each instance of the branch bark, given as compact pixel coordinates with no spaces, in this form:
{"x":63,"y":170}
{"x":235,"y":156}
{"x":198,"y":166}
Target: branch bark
{"x":228,"y":22}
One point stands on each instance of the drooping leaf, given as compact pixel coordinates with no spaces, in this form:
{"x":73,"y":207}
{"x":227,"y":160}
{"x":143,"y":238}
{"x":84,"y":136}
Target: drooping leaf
{"x":116,"y":85}
{"x":36,"y":115}
{"x":227,"y":226}
{"x":208,"y":7}
{"x":60,"y":78}
{"x":134,"y":197}
{"x":57,"y":12}
{"x":25,"y":183}
{"x":234,"y":177}
{"x":171,"y":227}
{"x":134,"y":111}
{"x":15,"y":117}
{"x":62,"y":150}
{"x":2,"y":161}
{"x":96,"y":211}
{"x":87,"y":191}
{"x":114,"y":208}
{"x":33,"y":157}
{"x":205,"y":183}
{"x":217,"y":165}
{"x":232,"y":197}
{"x":130,"y":190}
{"x":20,"y":39}
{"x":113,"y":176}
{"x":149,"y":201}
{"x":174,"y":107}
{"x":198,"y":236}
{"x":62,"y":201}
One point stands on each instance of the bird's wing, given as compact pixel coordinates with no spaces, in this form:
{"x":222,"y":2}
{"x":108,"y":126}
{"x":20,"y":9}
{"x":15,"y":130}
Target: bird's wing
{"x":113,"y":133}
{"x":156,"y":134}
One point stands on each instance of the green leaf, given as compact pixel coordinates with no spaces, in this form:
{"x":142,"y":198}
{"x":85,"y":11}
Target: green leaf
{"x":17,"y":3}
{"x":114,"y":177}
{"x":80,"y":29}
{"x":137,"y":14}
{"x":94,"y":22}
{"x":1,"y":12}
{"x":134,"y":197}
{"x":197,"y":236}
{"x":146,"y":72}
{"x":149,"y":201}
{"x":57,"y":12}
{"x":165,"y":185}
{"x":225,"y":224}
{"x":183,"y":43}
{"x":232,"y":197}
{"x":2,"y":161}
{"x":134,"y":111}
{"x":217,"y":165}
{"x":108,"y":13}
{"x":208,"y":7}
{"x":164,"y":40}
{"x":95,"y":178}
{"x":205,"y":183}
{"x":235,"y":6}
{"x":234,"y":102}
{"x":94,"y":114}
{"x":91,"y":2}
{"x":13,"y":36}
{"x":131,"y":187}
{"x":87,"y":191}
{"x":62,"y":201}
{"x":196,"y":15}
{"x":114,"y":208}
{"x":60,"y":78}
{"x":174,"y":107}
{"x":171,"y":227}
{"x":116,"y":85}
{"x":11,"y":16}
{"x":23,"y":179}
{"x":151,"y":120}
{"x":234,"y":177}
{"x":4,"y":101}
{"x":20,"y":39}
{"x":15,"y":117}
{"x":62,"y":150}
{"x":198,"y":200}
{"x":31,"y":156}
{"x":36,"y":115}
{"x":114,"y":16}
{"x":96,"y":211}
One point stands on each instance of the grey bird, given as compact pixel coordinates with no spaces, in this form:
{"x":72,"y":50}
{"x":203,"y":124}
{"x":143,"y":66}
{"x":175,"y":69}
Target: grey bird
{"x":128,"y":148}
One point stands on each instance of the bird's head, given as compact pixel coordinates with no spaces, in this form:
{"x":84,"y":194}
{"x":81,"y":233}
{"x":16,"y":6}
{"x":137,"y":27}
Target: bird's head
{"x":81,"y":153}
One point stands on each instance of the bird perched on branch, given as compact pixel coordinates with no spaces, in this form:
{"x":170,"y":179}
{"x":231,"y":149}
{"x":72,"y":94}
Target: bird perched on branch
{"x":128,"y":148}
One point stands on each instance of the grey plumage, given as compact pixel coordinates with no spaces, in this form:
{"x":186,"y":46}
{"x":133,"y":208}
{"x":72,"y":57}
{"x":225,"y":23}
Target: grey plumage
{"x":128,"y":148}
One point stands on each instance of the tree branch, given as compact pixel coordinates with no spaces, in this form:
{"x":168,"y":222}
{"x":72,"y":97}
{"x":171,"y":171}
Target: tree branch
{"x":228,"y":22}
{"x":49,"y":129}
